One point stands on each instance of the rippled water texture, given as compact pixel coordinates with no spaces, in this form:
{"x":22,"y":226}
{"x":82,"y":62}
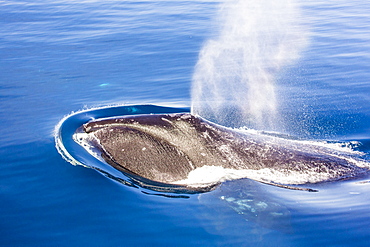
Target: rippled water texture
{"x":59,"y":57}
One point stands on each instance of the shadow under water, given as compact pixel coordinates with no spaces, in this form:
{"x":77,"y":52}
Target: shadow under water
{"x":250,"y":200}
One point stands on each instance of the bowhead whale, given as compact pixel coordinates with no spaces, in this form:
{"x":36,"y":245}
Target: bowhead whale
{"x":166,"y":148}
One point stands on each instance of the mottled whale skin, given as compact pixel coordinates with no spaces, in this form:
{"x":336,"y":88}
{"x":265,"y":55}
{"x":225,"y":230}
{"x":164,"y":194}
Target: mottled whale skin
{"x":165,"y":148}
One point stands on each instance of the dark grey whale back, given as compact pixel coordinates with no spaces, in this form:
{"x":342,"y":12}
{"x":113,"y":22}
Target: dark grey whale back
{"x":165,"y":148}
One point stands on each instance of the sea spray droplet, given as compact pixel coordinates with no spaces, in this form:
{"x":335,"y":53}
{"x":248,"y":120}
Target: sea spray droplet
{"x":234,"y":79}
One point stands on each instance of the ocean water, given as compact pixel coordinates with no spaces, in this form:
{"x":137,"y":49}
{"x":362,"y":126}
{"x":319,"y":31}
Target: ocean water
{"x":59,"y":57}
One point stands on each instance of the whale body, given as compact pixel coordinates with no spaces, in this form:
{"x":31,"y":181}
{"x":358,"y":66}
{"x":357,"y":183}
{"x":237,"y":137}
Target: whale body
{"x":166,"y":148}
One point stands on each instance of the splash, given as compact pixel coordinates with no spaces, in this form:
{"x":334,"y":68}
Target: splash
{"x":234,"y":79}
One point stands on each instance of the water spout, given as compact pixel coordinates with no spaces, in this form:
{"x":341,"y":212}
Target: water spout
{"x":234,"y":79}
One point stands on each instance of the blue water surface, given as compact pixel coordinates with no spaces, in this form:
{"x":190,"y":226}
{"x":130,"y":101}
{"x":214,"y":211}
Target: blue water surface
{"x":64,"y":56}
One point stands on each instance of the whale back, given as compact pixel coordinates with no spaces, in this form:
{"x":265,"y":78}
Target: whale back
{"x":167,"y":147}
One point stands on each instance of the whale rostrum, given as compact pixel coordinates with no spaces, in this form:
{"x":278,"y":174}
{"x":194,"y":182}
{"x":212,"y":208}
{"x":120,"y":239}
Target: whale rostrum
{"x":166,"y":148}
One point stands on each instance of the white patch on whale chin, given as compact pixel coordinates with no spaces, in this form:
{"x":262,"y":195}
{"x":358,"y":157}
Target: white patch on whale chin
{"x":207,"y":175}
{"x":85,"y":140}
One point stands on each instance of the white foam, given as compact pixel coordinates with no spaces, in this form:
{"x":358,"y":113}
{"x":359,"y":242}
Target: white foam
{"x":332,"y":147}
{"x":207,"y":175}
{"x":346,"y":147}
